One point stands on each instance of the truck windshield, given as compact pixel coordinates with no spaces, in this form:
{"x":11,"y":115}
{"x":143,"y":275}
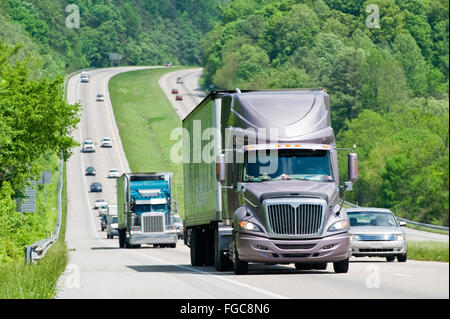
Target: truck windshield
{"x":150,"y":208}
{"x":289,"y":164}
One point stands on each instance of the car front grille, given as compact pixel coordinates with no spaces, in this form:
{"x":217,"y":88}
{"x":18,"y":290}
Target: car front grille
{"x":377,"y":237}
{"x":375,"y":250}
{"x":295,"y":219}
{"x":153,"y":223}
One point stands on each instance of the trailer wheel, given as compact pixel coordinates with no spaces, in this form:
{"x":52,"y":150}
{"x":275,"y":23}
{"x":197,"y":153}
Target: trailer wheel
{"x":222,"y":262}
{"x":174,"y":245}
{"x":122,"y":238}
{"x":208,"y":238}
{"x":197,"y":251}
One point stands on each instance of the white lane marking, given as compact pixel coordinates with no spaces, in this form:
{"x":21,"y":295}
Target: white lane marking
{"x":255,"y":289}
{"x":402,"y":275}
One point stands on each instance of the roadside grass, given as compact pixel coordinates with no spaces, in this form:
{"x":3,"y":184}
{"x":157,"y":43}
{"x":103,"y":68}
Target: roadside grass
{"x":145,"y":119}
{"x":37,"y":281}
{"x":428,"y":250}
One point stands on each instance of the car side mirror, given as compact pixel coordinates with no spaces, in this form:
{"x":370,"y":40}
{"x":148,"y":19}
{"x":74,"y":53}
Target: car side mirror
{"x":402,"y":223}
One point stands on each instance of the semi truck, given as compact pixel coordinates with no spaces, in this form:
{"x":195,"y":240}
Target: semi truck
{"x":144,"y":212}
{"x":261,"y":181}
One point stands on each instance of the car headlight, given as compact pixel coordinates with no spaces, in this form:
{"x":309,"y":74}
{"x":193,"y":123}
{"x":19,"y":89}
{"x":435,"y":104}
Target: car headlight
{"x":337,"y":226}
{"x":250,"y":226}
{"x":400,"y":236}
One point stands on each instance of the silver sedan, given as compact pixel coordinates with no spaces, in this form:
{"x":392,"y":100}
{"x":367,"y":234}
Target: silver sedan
{"x":376,"y":232}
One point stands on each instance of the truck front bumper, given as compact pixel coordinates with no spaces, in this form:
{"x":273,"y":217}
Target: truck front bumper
{"x":152,"y":238}
{"x":278,"y":251}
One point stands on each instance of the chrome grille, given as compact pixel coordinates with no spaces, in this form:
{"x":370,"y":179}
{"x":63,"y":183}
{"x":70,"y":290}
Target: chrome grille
{"x":299,"y":219}
{"x":377,"y":237}
{"x":153,"y":223}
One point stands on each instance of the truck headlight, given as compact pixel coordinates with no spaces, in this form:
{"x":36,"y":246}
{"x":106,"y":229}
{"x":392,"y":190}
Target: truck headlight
{"x":250,"y":226}
{"x":340,"y":225}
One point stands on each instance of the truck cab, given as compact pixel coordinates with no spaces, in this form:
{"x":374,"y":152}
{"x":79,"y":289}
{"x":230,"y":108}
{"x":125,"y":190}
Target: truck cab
{"x":145,"y":210}
{"x":272,"y":195}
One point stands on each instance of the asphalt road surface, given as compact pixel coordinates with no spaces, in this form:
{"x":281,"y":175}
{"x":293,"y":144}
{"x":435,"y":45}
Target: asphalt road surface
{"x":99,"y":269}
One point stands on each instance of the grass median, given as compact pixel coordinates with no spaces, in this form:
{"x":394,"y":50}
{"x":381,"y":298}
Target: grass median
{"x":145,"y":119}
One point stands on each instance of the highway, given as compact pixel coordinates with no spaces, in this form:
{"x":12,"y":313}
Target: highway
{"x":99,"y":269}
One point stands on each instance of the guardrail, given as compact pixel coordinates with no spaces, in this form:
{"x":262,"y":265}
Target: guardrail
{"x":409,"y":221}
{"x":37,"y":250}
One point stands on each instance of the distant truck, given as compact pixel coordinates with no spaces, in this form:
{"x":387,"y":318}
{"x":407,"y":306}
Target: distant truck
{"x":145,"y":215}
{"x":241,"y":209}
{"x":85,"y":76}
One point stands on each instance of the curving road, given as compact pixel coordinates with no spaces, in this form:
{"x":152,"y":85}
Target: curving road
{"x":99,"y":269}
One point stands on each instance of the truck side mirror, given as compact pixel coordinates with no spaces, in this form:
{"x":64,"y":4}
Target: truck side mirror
{"x":352,"y":167}
{"x":220,"y":168}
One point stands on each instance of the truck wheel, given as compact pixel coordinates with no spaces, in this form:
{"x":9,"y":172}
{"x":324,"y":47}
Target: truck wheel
{"x":221,"y":262}
{"x":239,"y":267}
{"x":390,"y":258}
{"x":303,"y":266}
{"x":197,"y":253}
{"x":341,"y":267}
{"x":173,"y":245}
{"x":208,"y":238}
{"x":402,"y":258}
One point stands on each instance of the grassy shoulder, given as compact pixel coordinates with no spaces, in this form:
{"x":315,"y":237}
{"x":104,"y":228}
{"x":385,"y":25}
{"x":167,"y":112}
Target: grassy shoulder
{"x":145,"y":119}
{"x":37,"y":281}
{"x":428,"y":251}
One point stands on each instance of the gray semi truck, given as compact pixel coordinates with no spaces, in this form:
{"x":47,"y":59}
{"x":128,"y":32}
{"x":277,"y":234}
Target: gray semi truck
{"x":261,"y":181}
{"x":145,"y":215}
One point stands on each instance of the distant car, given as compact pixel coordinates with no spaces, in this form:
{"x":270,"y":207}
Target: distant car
{"x":174,"y":91}
{"x":376,"y":232}
{"x":179,"y":98}
{"x":96,"y":187}
{"x":169,"y":64}
{"x":100,"y":98}
{"x":104,"y":222}
{"x":113,"y":173}
{"x":106,"y":142}
{"x":99,"y":203}
{"x":90,"y":171}
{"x":88,"y":146}
{"x":180,"y":80}
{"x":178,"y":223}
{"x":113,"y":227}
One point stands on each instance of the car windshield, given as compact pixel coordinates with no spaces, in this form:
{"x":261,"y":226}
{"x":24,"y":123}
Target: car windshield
{"x":100,"y":200}
{"x":113,"y":170}
{"x":294,"y":164}
{"x":88,"y":142}
{"x":372,"y":219}
{"x":114,"y":220}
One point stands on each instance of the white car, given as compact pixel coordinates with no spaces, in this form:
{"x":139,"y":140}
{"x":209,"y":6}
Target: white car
{"x":106,"y":142}
{"x":180,"y":80}
{"x":88,"y":146}
{"x":102,"y":210}
{"x":99,"y":203}
{"x":113,"y":173}
{"x":100,"y":98}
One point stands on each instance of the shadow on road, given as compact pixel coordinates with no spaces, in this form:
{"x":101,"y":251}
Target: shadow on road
{"x":253,"y":270}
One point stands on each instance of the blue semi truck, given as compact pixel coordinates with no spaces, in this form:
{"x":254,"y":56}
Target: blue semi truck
{"x":145,"y":214}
